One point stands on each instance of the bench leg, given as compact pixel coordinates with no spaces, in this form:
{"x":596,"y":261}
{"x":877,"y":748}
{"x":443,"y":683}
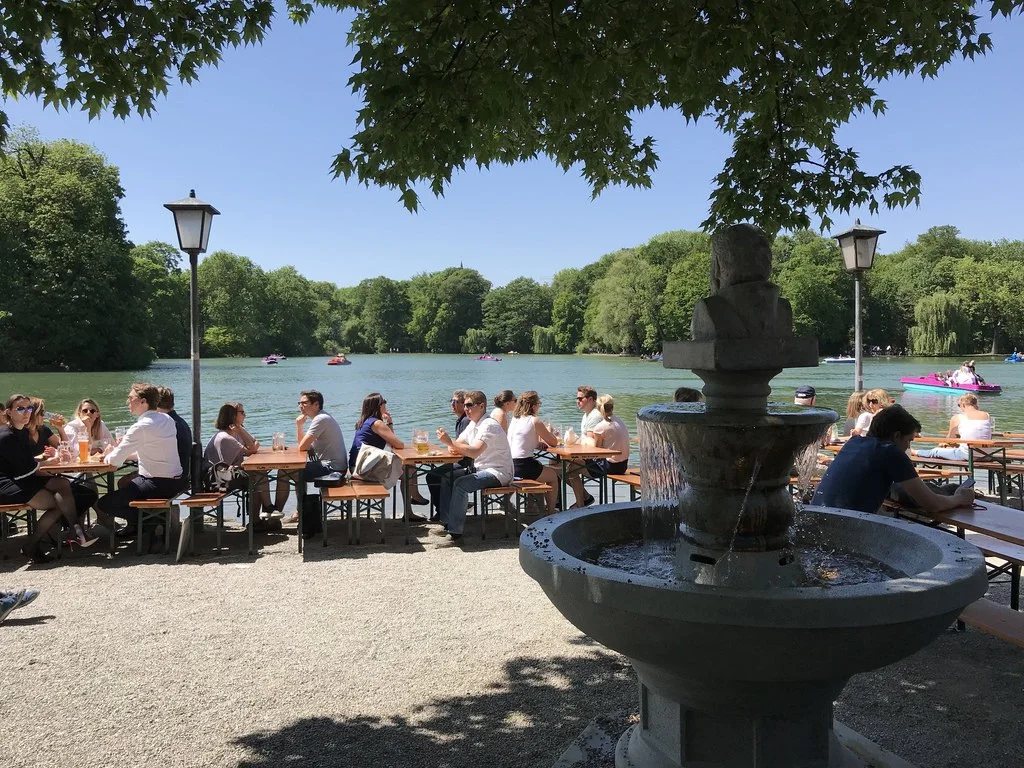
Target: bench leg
{"x":1015,"y":587}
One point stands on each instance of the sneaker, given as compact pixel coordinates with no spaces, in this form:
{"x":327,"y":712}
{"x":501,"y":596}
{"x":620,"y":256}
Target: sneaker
{"x":9,"y":601}
{"x":28,"y":596}
{"x":276,"y":513}
{"x":264,"y":515}
{"x":439,"y":532}
{"x":453,"y":540}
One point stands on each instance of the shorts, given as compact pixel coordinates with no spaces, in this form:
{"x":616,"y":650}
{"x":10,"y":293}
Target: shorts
{"x":602,"y":467}
{"x":527,"y":469}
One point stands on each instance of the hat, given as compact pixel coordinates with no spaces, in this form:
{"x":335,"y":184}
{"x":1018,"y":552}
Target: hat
{"x":806,"y":392}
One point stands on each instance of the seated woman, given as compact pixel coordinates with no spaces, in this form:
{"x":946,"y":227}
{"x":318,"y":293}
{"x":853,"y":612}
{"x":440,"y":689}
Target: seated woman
{"x":612,"y":433}
{"x":504,"y":404}
{"x":527,"y":433}
{"x":972,"y":424}
{"x":225,"y":448}
{"x":41,"y":439}
{"x":88,"y":422}
{"x":854,"y":408}
{"x":374,"y":428}
{"x":240,"y":433}
{"x":862,"y":473}
{"x":21,"y":483}
{"x":874,"y":401}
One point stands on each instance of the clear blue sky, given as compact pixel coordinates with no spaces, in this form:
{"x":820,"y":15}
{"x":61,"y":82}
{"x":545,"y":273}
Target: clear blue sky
{"x":256,"y":136}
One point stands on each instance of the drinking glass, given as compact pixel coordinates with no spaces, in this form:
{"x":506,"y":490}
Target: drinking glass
{"x":65,"y":453}
{"x":277,"y":441}
{"x":421,"y":441}
{"x":119,"y":434}
{"x":83,"y":449}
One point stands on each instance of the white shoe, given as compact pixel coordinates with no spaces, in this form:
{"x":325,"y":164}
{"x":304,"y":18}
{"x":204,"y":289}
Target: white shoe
{"x":264,"y":515}
{"x":277,"y":514}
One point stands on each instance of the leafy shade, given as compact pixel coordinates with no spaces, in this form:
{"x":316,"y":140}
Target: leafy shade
{"x":117,"y":55}
{"x":448,"y":84}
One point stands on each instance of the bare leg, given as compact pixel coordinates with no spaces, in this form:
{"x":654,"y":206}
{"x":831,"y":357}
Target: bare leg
{"x":417,"y":495}
{"x":550,"y":476}
{"x":282,"y":491}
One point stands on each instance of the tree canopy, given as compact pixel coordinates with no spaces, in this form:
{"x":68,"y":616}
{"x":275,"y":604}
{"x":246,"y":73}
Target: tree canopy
{"x":446,"y":85}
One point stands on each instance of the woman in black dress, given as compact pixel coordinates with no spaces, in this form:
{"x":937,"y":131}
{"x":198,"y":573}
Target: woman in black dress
{"x":21,"y":483}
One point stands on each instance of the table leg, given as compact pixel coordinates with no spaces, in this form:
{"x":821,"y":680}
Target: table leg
{"x":406,"y":502}
{"x":565,"y":492}
{"x":254,"y":478}
{"x":300,"y":497}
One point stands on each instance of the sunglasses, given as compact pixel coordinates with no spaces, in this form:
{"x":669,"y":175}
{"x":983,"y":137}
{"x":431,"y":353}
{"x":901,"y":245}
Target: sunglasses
{"x":580,"y":399}
{"x":240,"y":410}
{"x":303,"y":402}
{"x":872,"y":402}
{"x":471,"y":404}
{"x":89,"y":410}
{"x":24,"y":409}
{"x":454,"y":401}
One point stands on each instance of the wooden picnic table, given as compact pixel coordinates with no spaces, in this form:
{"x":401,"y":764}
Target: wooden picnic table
{"x":258,"y":467}
{"x":576,"y":453}
{"x":95,"y":465}
{"x":995,"y":520}
{"x":415,"y":464}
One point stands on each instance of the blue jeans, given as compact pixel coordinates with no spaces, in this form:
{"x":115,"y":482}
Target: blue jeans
{"x":455,"y":497}
{"x":957,"y":453}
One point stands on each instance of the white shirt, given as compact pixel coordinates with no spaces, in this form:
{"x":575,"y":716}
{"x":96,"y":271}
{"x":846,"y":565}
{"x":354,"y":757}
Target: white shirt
{"x":154,"y":437}
{"x":522,"y":436}
{"x":75,"y":427}
{"x":496,"y":458}
{"x":591,"y":420}
{"x":864,"y":422}
{"x":615,"y":436}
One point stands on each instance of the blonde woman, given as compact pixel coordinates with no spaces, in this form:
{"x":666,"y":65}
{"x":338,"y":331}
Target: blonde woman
{"x":854,"y":408}
{"x":526,"y":433}
{"x":874,"y":401}
{"x":88,"y":421}
{"x":970,"y":424}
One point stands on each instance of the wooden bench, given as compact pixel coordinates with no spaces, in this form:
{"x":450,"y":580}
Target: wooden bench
{"x":12,"y":513}
{"x":1012,"y":556}
{"x":490,"y":498}
{"x":201,"y":502}
{"x":628,"y":479}
{"x":151,"y":509}
{"x":367,"y":497}
{"x":336,"y":499}
{"x":997,"y":620}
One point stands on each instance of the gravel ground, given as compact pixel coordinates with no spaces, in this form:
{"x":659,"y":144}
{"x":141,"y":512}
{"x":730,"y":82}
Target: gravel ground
{"x":385,"y":656}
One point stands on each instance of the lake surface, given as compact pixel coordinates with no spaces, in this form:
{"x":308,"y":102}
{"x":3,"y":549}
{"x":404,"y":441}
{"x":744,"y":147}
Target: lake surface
{"x":418,"y":387}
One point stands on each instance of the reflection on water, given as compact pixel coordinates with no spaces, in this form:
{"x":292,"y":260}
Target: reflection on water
{"x":822,"y":567}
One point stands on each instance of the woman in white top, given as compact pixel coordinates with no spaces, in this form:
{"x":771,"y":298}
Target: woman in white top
{"x":526,"y":433}
{"x":972,"y":424}
{"x":89,"y":422}
{"x":612,"y":433}
{"x":874,"y":401}
{"x":504,"y":404}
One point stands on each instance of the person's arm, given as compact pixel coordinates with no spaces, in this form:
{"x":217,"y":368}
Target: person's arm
{"x":242,"y":435}
{"x":128,"y":446}
{"x":930,"y":501}
{"x":304,"y":441}
{"x":545,"y":434}
{"x":469,"y":447}
{"x":954,"y":427}
{"x":385,"y":432}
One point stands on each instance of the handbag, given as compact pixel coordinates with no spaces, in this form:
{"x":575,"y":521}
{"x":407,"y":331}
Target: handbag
{"x":223,"y":478}
{"x":374,"y":465}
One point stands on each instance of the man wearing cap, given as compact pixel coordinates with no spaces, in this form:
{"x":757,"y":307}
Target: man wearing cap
{"x":804,"y":395}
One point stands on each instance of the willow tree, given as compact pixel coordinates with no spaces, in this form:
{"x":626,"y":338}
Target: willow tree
{"x":941,"y":328}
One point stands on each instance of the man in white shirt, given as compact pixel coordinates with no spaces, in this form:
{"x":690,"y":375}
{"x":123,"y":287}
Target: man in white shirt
{"x":586,"y":401}
{"x":154,"y":439}
{"x":485,"y":442}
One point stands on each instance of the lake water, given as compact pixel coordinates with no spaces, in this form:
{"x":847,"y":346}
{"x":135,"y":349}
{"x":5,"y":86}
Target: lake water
{"x":418,"y":387}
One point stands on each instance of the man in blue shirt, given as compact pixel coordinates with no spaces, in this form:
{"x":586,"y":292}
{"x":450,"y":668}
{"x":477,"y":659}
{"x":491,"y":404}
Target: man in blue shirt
{"x":862,"y":473}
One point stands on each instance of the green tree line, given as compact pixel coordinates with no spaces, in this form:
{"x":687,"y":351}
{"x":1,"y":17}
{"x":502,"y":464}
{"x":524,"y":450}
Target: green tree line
{"x":66,"y":255}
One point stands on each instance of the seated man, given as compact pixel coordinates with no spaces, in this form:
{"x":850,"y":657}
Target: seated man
{"x":485,"y":442}
{"x":322,"y":438}
{"x":804,"y":395}
{"x":862,"y":473}
{"x":586,"y":401}
{"x":440,"y":473}
{"x":154,"y":439}
{"x":183,"y":432}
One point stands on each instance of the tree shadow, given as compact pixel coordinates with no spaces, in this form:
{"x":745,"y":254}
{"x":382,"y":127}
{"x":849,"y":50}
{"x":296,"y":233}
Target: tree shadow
{"x":526,"y":719}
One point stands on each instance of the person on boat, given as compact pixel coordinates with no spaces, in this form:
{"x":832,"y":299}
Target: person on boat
{"x":376,"y":428}
{"x":687,"y":395}
{"x":874,"y":401}
{"x":854,"y":408}
{"x":804,"y":395}
{"x":863,"y":472}
{"x":504,"y":404}
{"x":527,"y":433}
{"x":962,"y":375}
{"x":487,"y":445}
{"x":974,"y":373}
{"x":971,"y":424}
{"x":21,"y":482}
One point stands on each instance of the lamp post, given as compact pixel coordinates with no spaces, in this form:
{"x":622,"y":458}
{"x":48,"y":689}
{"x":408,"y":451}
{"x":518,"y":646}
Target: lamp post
{"x":858,"y":247}
{"x":192,"y":220}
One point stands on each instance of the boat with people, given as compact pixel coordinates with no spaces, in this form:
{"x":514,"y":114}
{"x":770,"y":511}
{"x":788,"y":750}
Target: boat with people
{"x":932,"y":383}
{"x":270,"y":360}
{"x":840,"y":359}
{"x":1016,"y":357}
{"x":489,"y":358}
{"x":339,"y":359}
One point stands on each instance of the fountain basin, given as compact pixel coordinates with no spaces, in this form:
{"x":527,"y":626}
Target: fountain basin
{"x":710,"y":632}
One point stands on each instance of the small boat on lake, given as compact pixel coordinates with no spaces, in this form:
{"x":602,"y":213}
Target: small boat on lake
{"x":339,"y":360}
{"x":932,"y":383}
{"x":1016,"y":357}
{"x":270,"y":360}
{"x":488,"y":358}
{"x":840,"y":359}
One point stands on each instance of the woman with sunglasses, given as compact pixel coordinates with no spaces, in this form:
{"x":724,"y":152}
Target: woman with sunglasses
{"x":88,"y":422}
{"x":238,"y":431}
{"x":41,"y":439}
{"x":21,"y":483}
{"x":226,"y":447}
{"x":375,"y":428}
{"x":874,"y":401}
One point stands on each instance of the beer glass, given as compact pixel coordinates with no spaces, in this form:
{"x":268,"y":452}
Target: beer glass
{"x":421,"y":441}
{"x":83,"y":449}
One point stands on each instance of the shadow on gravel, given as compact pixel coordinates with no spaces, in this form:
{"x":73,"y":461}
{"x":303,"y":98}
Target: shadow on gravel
{"x":526,"y":720}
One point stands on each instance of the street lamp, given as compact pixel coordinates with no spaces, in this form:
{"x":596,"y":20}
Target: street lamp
{"x":858,"y":247}
{"x":192,"y":219}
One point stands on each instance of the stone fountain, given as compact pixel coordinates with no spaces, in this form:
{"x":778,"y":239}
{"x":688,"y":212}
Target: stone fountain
{"x":739,"y":649}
